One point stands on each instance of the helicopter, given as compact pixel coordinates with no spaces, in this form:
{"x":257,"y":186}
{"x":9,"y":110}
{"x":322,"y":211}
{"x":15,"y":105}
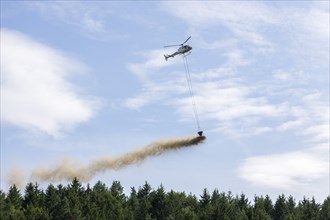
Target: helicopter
{"x":182,"y":49}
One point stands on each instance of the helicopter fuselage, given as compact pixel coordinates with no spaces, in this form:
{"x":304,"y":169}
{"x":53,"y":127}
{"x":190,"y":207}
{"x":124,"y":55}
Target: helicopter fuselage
{"x":182,"y":50}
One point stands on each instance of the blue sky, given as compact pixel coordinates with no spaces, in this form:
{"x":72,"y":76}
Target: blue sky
{"x":82,"y":80}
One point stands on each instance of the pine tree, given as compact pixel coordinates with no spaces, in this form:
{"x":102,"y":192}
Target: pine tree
{"x":190,"y":207}
{"x":245,"y":207}
{"x":103,"y":199}
{"x":308,"y":209}
{"x":259,"y":212}
{"x":117,"y":192}
{"x":14,"y":198}
{"x":89,"y":208}
{"x":281,"y":210}
{"x":33,"y":203}
{"x":3,"y":206}
{"x":158,"y":204}
{"x":33,"y":195}
{"x":269,"y":208}
{"x":325,"y":209}
{"x":175,"y":202}
{"x":14,"y":204}
{"x":144,"y":208}
{"x":188,"y":213}
{"x":74,"y":196}
{"x":238,"y":208}
{"x":52,"y":201}
{"x":220,"y":207}
{"x":205,"y":205}
{"x":36,"y":213}
{"x":291,"y":206}
{"x":64,"y":210}
{"x":132,"y":205}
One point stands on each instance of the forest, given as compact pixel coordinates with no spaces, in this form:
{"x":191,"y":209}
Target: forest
{"x":100,"y":201}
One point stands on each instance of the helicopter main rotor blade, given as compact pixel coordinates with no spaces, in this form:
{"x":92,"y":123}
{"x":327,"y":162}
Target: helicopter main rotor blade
{"x":176,"y":45}
{"x":173,"y":45}
{"x":186,"y":40}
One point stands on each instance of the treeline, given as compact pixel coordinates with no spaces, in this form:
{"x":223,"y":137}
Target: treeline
{"x":101,"y":202}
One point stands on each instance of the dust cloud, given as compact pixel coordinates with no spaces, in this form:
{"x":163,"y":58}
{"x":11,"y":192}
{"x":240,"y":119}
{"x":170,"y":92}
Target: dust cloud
{"x":68,"y":168}
{"x":16,"y":177}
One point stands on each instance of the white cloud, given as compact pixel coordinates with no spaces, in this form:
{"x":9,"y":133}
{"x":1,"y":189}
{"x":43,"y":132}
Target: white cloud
{"x":285,"y":171}
{"x":236,"y":109}
{"x":154,"y":60}
{"x":154,"y":86}
{"x":288,"y":76}
{"x":80,"y":14}
{"x":35,"y":91}
{"x":293,"y":124}
{"x":148,"y":95}
{"x":258,"y":24}
{"x":315,"y":21}
{"x":153,"y":91}
{"x":241,"y":18}
{"x":316,"y":116}
{"x":298,"y":169}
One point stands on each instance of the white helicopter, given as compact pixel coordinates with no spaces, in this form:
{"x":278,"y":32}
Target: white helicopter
{"x":183,"y":49}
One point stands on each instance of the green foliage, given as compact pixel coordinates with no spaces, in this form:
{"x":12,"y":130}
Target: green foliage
{"x":144,"y":208}
{"x":259,"y":209}
{"x":308,"y":209}
{"x":3,"y":208}
{"x":159,"y":204}
{"x":100,"y":202}
{"x":281,"y":210}
{"x":52,"y":201}
{"x":14,"y":198}
{"x":325,"y":209}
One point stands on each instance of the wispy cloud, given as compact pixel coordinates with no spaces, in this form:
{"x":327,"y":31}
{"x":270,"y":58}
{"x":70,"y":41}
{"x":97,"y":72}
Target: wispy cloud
{"x":308,"y":118}
{"x":314,"y":22}
{"x":156,"y":82}
{"x":82,"y":15}
{"x":287,"y":170}
{"x":152,"y":62}
{"x":94,"y":20}
{"x":35,"y":91}
{"x":242,"y":18}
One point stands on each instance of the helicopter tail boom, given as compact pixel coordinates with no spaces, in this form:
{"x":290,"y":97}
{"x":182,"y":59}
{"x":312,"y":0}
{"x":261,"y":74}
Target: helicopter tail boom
{"x":168,"y":56}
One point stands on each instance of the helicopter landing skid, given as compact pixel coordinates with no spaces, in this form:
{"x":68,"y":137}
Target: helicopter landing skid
{"x":184,"y":55}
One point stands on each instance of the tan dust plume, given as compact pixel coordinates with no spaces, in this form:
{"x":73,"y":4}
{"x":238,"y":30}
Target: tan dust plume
{"x":16,"y":176}
{"x":69,"y":169}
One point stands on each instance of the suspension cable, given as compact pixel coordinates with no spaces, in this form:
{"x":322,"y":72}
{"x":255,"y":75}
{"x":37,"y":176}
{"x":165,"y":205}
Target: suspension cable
{"x":185,"y":62}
